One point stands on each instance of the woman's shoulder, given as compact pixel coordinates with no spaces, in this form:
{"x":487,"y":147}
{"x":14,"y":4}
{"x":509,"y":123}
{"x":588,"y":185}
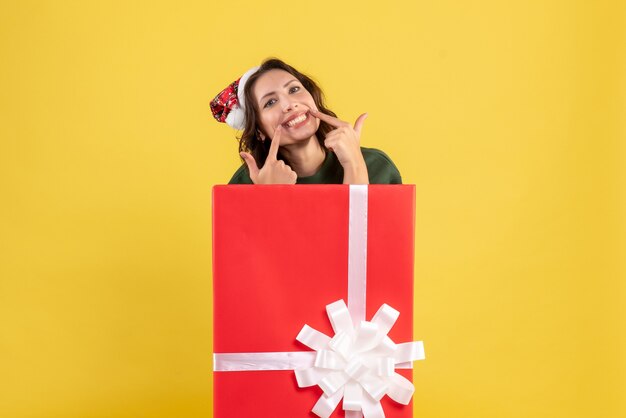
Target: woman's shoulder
{"x":380,"y":167}
{"x":241,"y":176}
{"x":375,"y":154}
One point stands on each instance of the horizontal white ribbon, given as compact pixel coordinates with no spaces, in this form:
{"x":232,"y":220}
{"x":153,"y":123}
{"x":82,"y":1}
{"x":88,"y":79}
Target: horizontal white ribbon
{"x":241,"y":362}
{"x":281,"y":360}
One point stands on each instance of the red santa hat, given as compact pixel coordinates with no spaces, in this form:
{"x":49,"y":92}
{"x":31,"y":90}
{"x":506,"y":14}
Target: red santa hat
{"x":229,"y":105}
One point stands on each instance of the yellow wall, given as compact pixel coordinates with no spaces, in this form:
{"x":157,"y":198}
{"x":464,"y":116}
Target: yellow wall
{"x":509,"y":118}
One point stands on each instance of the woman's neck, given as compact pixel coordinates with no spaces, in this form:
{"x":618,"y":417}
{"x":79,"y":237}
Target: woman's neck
{"x":305,"y":158}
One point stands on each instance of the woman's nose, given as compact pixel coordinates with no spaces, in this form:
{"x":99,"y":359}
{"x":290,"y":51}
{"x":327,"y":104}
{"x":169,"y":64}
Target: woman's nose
{"x":289,"y":106}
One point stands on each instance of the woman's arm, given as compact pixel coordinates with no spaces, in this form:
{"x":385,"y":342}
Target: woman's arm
{"x":355,"y":174}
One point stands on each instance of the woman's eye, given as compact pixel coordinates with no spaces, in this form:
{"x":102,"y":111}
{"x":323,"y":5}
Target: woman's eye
{"x":294,"y":89}
{"x":270,"y":102}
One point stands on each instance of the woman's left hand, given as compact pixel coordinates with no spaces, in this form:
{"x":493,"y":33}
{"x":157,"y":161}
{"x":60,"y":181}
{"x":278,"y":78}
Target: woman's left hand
{"x":345,"y":142}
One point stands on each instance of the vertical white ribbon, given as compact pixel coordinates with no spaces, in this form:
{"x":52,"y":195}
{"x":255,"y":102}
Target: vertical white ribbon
{"x":357,"y":261}
{"x":357,"y":253}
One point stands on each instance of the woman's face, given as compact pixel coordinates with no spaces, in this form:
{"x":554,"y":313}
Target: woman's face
{"x":282,"y":100}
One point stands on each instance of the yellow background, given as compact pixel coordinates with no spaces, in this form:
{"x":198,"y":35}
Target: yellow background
{"x":508,"y":116}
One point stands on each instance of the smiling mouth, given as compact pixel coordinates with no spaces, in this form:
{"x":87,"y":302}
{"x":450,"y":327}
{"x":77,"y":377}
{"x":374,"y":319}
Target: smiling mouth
{"x":296,"y":121}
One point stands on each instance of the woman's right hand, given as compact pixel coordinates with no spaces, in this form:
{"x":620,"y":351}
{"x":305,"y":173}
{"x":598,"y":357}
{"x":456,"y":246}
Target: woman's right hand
{"x":274,"y":171}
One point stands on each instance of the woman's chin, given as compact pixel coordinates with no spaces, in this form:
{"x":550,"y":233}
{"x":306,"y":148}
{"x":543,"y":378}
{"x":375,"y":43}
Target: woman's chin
{"x":302,"y":135}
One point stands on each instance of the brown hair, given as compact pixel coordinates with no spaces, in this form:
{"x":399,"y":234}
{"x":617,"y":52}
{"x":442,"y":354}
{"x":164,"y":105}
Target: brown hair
{"x":249,"y":140}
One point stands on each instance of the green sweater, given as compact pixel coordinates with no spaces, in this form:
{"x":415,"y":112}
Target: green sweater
{"x":380,"y":170}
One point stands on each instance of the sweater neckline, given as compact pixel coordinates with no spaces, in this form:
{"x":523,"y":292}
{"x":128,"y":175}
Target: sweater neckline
{"x":323,"y":172}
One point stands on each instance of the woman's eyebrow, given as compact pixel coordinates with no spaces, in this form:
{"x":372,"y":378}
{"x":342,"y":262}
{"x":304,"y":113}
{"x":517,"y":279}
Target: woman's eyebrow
{"x":272,"y":92}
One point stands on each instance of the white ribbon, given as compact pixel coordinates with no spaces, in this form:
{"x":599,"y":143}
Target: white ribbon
{"x":242,"y":362}
{"x":357,"y":253}
{"x":358,"y":363}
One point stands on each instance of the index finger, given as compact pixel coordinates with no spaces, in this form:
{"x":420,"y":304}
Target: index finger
{"x":275,"y":143}
{"x":337,"y":123}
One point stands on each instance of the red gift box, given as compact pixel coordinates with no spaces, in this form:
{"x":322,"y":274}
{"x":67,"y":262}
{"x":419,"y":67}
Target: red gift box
{"x":280,"y":256}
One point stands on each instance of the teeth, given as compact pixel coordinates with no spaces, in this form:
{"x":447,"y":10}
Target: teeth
{"x":296,"y":120}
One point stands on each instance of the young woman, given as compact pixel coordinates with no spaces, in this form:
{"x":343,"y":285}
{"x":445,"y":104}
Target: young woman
{"x":290,"y":137}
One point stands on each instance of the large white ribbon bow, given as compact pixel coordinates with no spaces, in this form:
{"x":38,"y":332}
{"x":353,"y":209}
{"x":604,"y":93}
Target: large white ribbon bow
{"x":359,"y":364}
